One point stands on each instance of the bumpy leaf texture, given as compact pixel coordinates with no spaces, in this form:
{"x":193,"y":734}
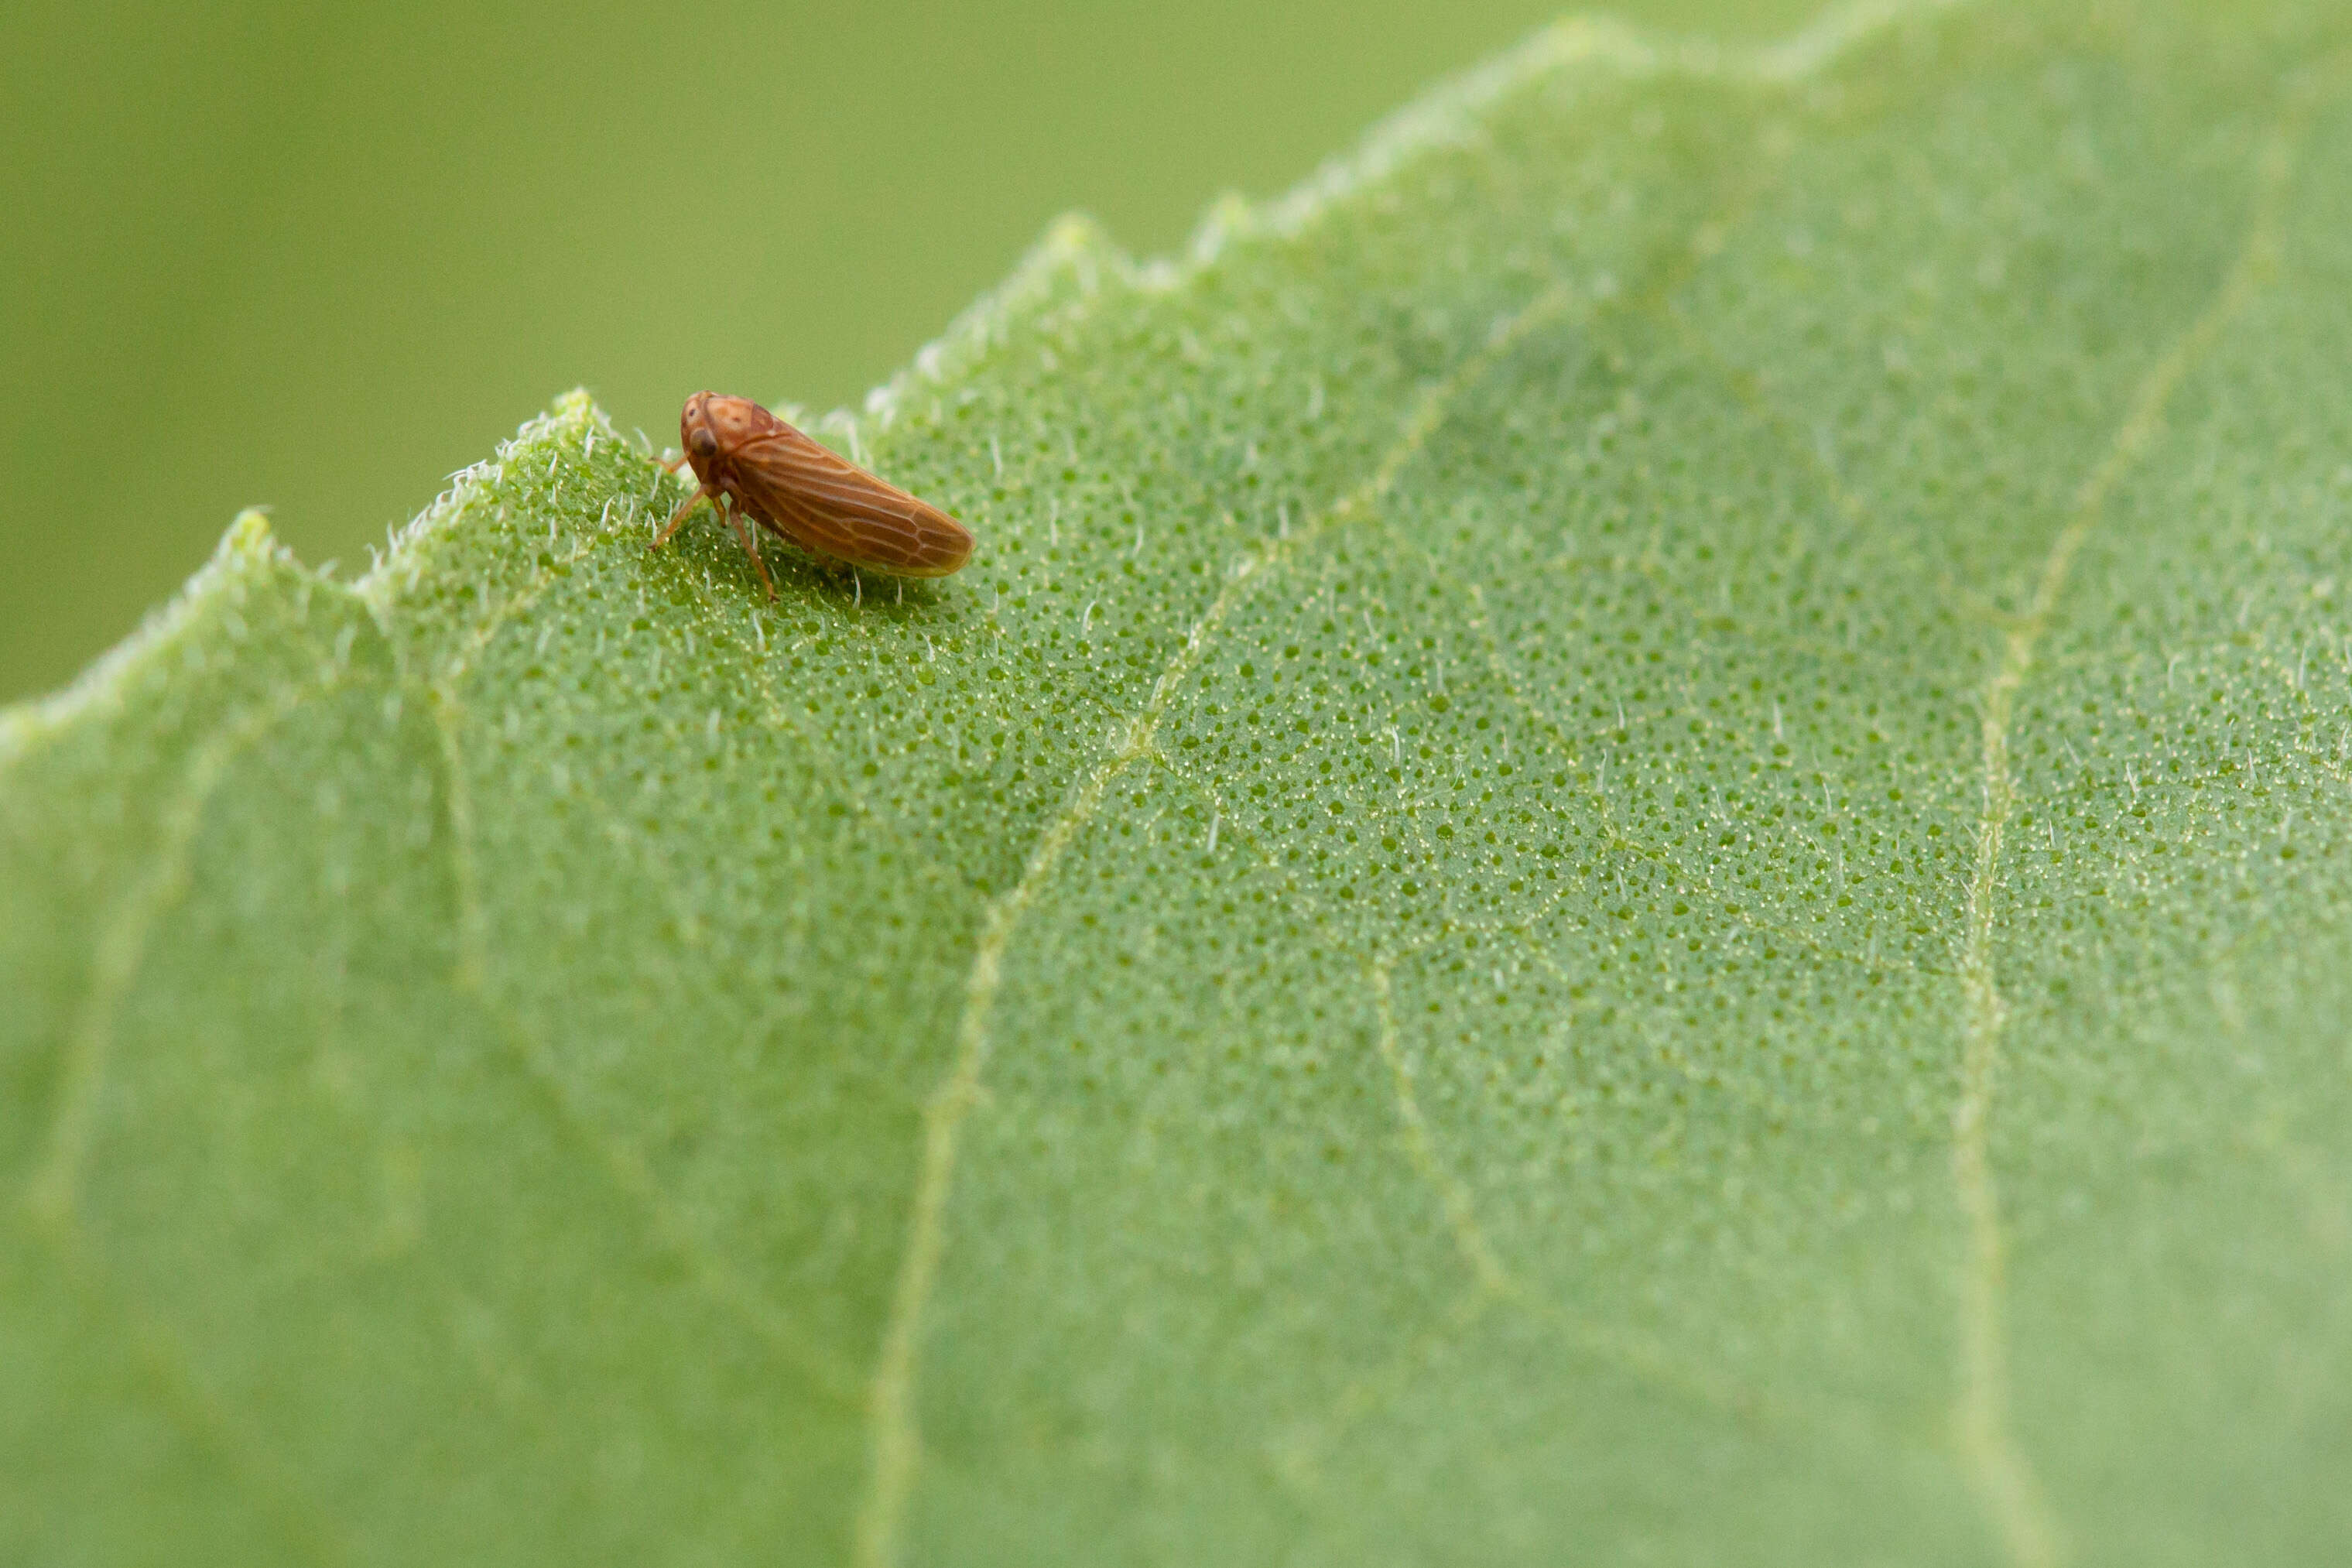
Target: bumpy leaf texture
{"x":1631,"y":847}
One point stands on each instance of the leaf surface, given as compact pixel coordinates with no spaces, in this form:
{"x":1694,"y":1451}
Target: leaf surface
{"x":1628,"y":848}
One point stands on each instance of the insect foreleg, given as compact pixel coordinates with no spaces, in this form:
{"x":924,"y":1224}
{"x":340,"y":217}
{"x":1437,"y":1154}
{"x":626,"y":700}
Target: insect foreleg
{"x":736,"y":520}
{"x":678,"y":516}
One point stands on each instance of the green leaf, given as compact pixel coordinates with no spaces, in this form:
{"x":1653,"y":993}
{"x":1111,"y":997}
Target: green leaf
{"x":1630,"y":848}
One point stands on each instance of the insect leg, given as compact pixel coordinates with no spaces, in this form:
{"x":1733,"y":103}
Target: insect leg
{"x":679,"y":516}
{"x":750,"y":544}
{"x":672,"y":465}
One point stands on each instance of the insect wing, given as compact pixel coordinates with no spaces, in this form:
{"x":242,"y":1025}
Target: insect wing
{"x":828,"y":504}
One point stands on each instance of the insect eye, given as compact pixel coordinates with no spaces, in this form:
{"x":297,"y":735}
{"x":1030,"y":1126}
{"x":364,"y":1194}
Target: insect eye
{"x":704,"y":442}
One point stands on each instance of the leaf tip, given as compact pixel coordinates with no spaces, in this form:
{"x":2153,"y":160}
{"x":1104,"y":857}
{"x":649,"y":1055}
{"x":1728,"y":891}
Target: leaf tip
{"x":576,"y":405}
{"x":1073,"y":235}
{"x":1230,"y":216}
{"x":1073,"y":260}
{"x":248,"y":537}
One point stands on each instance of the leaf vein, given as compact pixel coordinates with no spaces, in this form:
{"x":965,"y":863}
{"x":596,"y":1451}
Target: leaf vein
{"x":1996,"y":1466}
{"x":895,"y":1441}
{"x":623,"y":1164}
{"x":54,"y":1192}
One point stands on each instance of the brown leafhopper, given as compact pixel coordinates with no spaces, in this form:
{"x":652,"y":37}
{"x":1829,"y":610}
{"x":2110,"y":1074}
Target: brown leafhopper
{"x":751,"y":464}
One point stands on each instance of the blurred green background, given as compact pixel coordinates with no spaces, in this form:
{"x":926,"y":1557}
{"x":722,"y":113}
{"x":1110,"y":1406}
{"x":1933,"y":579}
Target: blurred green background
{"x":255,"y":252}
